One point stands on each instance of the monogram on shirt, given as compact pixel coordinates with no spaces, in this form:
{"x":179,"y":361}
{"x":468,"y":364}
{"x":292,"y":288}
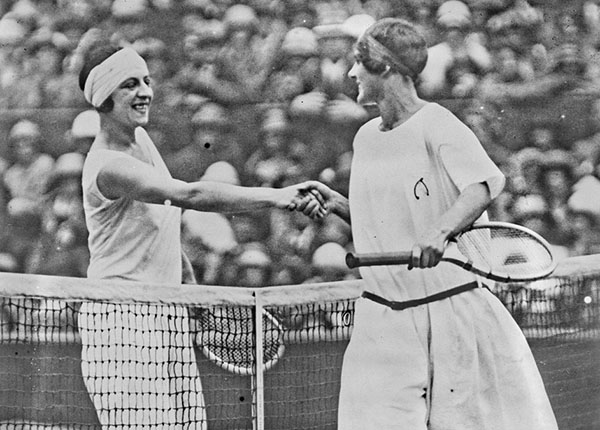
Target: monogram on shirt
{"x":420,"y":189}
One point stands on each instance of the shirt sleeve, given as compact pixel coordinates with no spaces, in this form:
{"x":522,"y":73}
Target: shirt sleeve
{"x":462,"y":154}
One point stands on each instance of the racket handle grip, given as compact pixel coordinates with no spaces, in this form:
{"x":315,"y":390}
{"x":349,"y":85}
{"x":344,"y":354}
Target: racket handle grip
{"x":382,"y":259}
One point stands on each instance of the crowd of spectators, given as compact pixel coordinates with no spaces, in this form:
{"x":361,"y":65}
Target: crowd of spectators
{"x":261,"y":92}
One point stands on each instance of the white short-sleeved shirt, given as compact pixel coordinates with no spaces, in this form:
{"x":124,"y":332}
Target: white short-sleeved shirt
{"x":403,"y":180}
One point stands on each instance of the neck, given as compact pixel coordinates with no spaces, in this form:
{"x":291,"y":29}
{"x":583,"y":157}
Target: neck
{"x":399,"y":103}
{"x":116,"y":134}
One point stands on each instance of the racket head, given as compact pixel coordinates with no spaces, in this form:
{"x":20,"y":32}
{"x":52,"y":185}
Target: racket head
{"x":227,"y":338}
{"x":504,"y":252}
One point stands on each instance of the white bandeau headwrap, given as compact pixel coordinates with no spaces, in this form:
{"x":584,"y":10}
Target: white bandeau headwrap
{"x":112,"y":72}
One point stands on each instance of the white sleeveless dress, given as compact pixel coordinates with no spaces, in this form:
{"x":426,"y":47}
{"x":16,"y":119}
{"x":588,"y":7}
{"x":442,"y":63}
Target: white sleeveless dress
{"x":138,"y":360}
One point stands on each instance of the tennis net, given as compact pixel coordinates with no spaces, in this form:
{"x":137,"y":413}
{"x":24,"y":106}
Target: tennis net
{"x":187,"y":355}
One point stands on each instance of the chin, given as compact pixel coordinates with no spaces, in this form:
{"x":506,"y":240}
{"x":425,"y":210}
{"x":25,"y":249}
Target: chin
{"x":141,"y":121}
{"x":362,"y":100}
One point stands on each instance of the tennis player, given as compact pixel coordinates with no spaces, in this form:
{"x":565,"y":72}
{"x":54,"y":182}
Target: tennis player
{"x":419,"y":176}
{"x":138,"y":360}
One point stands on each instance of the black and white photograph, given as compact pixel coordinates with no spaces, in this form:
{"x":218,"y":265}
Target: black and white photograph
{"x":299,"y":215}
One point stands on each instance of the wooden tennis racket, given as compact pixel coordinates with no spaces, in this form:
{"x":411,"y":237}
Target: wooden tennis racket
{"x":227,"y":338}
{"x":499,"y":251}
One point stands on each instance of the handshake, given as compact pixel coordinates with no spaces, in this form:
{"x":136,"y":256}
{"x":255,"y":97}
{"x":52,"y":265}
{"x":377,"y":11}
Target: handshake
{"x":313,"y":198}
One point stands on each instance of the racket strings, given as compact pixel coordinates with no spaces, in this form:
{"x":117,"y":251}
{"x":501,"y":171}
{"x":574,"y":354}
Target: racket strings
{"x":228,"y":338}
{"x":505,"y":251}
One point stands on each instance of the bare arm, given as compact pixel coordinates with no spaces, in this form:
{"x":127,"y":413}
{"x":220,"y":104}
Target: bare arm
{"x":132,"y":178}
{"x":468,"y":207}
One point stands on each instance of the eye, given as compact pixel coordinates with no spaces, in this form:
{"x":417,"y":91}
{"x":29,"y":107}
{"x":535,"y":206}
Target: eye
{"x":148,"y":81}
{"x":129,"y":84}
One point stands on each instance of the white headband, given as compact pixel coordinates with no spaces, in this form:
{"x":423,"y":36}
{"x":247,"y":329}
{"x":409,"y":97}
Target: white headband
{"x":112,"y":72}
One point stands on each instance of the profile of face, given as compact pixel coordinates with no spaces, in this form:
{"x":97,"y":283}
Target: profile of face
{"x":368,"y":84}
{"x":132,"y":100}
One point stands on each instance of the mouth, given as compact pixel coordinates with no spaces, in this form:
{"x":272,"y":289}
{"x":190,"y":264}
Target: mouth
{"x":141,"y":107}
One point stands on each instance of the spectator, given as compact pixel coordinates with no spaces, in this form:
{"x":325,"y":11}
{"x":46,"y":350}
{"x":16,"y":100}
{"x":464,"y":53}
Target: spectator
{"x":542,"y":136}
{"x":208,"y":144}
{"x":336,"y":41}
{"x":202,"y":43}
{"x":207,"y":239}
{"x":522,"y":61}
{"x":298,"y":64}
{"x":253,"y":266}
{"x":28,"y":175}
{"x":483,"y":120}
{"x":329,"y":263}
{"x":83,"y":130}
{"x":455,"y":64}
{"x":557,"y":179}
{"x":61,"y":249}
{"x":24,"y":228}
{"x":270,"y":163}
{"x":58,"y":86}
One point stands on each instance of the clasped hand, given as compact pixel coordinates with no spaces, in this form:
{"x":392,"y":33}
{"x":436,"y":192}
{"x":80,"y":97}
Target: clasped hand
{"x":309,"y":200}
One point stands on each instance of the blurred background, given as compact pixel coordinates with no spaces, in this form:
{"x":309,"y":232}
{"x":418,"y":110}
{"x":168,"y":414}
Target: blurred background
{"x":256,"y":93}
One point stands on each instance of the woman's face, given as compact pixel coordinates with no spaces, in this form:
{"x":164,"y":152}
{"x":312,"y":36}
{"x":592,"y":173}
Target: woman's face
{"x":132,"y":101}
{"x":369,"y":85}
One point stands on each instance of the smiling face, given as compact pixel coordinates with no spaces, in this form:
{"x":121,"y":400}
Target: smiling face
{"x":370,"y":88}
{"x":132,"y":100}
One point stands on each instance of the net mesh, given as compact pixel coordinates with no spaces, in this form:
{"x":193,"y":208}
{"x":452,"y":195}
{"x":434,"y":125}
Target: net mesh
{"x":62,"y":338}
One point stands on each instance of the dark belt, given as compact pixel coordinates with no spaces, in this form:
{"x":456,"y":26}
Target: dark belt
{"x":398,"y":306}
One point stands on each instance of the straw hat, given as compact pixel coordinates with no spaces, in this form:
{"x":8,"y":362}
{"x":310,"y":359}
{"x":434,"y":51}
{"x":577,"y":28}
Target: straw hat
{"x":300,"y":41}
{"x":452,"y":14}
{"x":221,"y":171}
{"x":330,"y":255}
{"x":211,"y":229}
{"x":86,"y":124}
{"x":210,"y":115}
{"x":11,"y":31}
{"x":240,"y":17}
{"x":69,"y":164}
{"x":24,"y":129}
{"x":254,"y":255}
{"x":275,"y":120}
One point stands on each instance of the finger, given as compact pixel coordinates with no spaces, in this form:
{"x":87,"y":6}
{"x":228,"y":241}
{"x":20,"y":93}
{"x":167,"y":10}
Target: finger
{"x":314,"y":192}
{"x":415,"y":260}
{"x":427,"y":259}
{"x":302,"y":202}
{"x":311,"y":208}
{"x":314,"y":210}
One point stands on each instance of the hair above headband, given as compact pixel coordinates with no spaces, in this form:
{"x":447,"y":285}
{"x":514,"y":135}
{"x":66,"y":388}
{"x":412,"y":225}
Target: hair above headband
{"x":109,"y":74}
{"x":378,"y":52}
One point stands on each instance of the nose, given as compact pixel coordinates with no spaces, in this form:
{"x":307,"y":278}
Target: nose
{"x":352,"y":72}
{"x":144,"y":90}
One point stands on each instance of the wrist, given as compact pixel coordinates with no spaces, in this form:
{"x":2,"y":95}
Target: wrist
{"x":338,"y":205}
{"x":446,"y":233}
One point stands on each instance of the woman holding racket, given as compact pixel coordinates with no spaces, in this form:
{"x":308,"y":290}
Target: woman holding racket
{"x":431,"y":349}
{"x":138,"y":360}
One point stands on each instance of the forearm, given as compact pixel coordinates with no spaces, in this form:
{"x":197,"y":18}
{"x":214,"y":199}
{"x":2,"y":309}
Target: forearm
{"x":219,"y":197}
{"x":340,"y":206}
{"x":469,"y":206}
